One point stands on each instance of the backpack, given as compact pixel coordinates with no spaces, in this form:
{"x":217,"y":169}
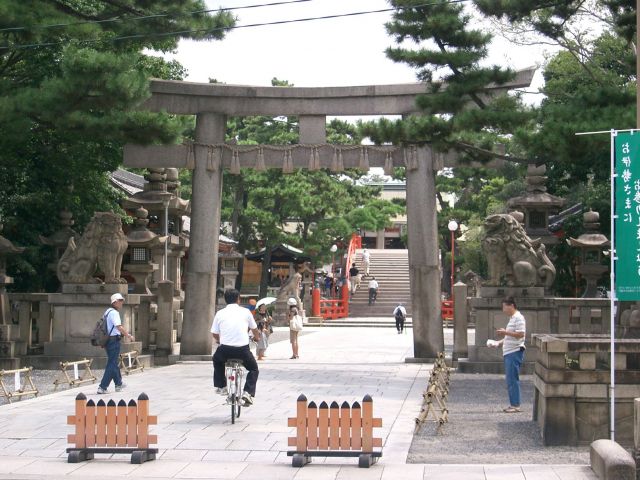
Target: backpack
{"x":399,"y":314}
{"x":100,"y":336}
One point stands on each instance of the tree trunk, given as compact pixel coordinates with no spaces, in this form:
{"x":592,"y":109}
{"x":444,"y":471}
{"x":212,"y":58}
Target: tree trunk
{"x":266,"y":265}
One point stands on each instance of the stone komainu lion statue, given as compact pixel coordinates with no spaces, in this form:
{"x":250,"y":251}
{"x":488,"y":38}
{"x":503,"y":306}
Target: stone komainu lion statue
{"x":102,"y":244}
{"x":513,"y":257}
{"x":291,"y":289}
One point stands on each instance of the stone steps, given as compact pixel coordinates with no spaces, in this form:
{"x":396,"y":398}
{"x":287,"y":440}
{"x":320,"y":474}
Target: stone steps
{"x":391,"y":269}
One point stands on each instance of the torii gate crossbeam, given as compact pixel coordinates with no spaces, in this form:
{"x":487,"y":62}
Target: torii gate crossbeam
{"x":208,"y":156}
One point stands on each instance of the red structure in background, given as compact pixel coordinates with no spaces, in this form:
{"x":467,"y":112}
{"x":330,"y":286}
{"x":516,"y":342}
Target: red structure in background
{"x":332,"y":309}
{"x":447,"y":310}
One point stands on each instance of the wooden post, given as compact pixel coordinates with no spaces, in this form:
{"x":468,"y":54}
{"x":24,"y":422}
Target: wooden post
{"x":312,"y":426}
{"x":132,"y":423}
{"x":301,"y":424}
{"x":323,"y":426}
{"x":334,"y":426}
{"x":356,"y":426}
{"x":101,"y":424}
{"x":367,"y":424}
{"x":79,"y":421}
{"x":121,"y":424}
{"x":345,"y":426}
{"x":90,"y":424}
{"x":111,"y":423}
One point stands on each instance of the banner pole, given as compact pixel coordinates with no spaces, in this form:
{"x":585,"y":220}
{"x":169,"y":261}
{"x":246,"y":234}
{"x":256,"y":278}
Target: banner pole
{"x":612,"y":291}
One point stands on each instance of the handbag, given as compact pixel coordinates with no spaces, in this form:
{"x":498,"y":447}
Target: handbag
{"x":295,"y":323}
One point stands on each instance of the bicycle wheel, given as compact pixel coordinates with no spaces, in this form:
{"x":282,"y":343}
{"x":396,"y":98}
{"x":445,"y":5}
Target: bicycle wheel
{"x":238,"y":389}
{"x":234,"y":400}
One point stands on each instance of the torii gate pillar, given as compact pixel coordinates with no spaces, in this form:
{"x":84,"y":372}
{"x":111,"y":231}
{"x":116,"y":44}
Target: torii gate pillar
{"x":202,"y":269}
{"x":424,"y":267}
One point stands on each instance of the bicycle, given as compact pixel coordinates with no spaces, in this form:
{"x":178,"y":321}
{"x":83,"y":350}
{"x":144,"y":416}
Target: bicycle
{"x":234,"y":371}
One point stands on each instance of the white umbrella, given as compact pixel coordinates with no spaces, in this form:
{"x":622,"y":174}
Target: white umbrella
{"x":265,"y":301}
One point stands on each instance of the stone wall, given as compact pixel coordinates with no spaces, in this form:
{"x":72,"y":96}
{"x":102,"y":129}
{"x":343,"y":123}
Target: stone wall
{"x":572,"y":376}
{"x":543,"y":315}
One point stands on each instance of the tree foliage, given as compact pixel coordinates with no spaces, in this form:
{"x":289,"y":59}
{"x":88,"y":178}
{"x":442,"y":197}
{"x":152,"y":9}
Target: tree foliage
{"x":72,"y":75}
{"x":307,"y":209}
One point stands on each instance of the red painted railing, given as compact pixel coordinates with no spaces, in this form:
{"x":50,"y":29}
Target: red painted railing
{"x":339,"y":308}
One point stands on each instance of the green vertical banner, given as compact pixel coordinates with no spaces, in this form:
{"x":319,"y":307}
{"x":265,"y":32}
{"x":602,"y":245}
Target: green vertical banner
{"x":627,"y":211}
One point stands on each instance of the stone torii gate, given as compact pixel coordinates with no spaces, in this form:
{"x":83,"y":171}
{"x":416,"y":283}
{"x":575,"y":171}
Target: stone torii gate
{"x":209,"y":155}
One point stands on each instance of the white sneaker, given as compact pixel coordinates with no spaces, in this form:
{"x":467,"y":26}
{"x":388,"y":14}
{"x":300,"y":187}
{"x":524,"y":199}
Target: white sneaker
{"x":221,"y":391}
{"x":120,"y":387}
{"x":102,"y":391}
{"x":247,"y":399}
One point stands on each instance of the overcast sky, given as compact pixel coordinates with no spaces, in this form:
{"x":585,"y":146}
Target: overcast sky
{"x":333,"y":52}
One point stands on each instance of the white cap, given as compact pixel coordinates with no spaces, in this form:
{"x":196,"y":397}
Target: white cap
{"x":115,"y":297}
{"x":292,"y":301}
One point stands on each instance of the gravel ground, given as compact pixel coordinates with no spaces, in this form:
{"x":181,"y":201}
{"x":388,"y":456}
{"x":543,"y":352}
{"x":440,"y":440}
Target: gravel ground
{"x":43,"y":379}
{"x":480,"y":432}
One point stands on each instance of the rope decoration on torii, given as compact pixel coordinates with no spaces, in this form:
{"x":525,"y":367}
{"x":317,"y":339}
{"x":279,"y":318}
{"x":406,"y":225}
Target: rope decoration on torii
{"x":215,"y":155}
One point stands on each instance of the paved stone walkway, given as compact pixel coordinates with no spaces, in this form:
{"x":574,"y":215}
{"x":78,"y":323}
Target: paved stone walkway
{"x":197,"y":440}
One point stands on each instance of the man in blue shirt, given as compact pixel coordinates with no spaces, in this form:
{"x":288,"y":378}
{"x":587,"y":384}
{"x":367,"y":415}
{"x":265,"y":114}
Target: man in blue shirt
{"x":116,"y":331}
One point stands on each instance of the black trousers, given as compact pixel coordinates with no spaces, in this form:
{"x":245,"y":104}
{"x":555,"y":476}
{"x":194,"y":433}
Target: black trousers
{"x":226,"y":352}
{"x":373,"y":294}
{"x":399,"y":323}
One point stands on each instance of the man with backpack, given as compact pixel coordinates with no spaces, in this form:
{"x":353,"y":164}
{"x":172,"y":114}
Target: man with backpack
{"x":400,"y":314}
{"x":115,"y":332}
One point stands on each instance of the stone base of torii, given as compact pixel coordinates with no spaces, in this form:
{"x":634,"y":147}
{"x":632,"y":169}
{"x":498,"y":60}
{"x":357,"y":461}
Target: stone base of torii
{"x":208,"y":156}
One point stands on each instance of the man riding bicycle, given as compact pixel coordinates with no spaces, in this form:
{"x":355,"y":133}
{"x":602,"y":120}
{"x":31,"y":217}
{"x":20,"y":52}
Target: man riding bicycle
{"x":230,"y":330}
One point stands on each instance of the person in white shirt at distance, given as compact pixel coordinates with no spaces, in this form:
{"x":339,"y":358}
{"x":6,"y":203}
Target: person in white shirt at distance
{"x":373,"y":290}
{"x":230,"y":329}
{"x":512,"y":351}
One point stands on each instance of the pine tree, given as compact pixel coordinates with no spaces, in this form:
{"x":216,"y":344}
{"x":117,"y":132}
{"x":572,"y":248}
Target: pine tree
{"x":72,"y":75}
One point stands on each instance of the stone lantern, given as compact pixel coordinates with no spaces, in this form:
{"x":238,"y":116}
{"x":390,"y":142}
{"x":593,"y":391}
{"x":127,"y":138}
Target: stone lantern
{"x":307,"y":283}
{"x":6,"y":248}
{"x":229,"y":271}
{"x":141,"y":242}
{"x":161,"y":199}
{"x":536,"y":205}
{"x":592,"y":243}
{"x":60,"y":239}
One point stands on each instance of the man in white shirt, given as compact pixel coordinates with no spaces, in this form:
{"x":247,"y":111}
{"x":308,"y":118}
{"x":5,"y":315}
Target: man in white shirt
{"x":366,"y":261}
{"x":400,"y":314}
{"x":512,"y":351}
{"x":373,"y":290}
{"x":230,"y":329}
{"x":116,"y":332}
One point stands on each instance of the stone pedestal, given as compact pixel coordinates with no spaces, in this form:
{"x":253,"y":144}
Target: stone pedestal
{"x":489,"y":317}
{"x":141,"y":272}
{"x":75,"y":313}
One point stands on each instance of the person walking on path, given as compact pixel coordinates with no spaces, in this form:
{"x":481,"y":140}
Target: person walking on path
{"x":295,"y":326}
{"x":116,"y":331}
{"x":400,"y":314}
{"x":263,"y":320}
{"x":373,"y":290}
{"x":230,"y":329}
{"x":512,"y":351}
{"x":354,"y":278}
{"x":366,"y":261}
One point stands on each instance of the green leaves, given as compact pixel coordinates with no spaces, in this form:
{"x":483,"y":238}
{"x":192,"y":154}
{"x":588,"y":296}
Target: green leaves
{"x":70,"y":101}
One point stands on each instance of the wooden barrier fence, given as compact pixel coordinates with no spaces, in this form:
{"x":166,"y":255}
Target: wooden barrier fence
{"x":78,"y":377}
{"x":335,"y":431}
{"x":130,"y":362}
{"x":435,"y":396}
{"x":111,"y":428}
{"x":19,"y":386}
